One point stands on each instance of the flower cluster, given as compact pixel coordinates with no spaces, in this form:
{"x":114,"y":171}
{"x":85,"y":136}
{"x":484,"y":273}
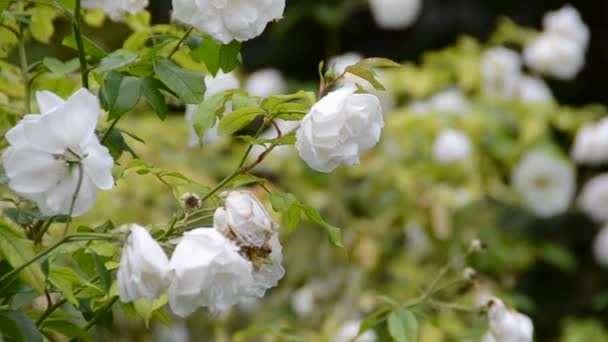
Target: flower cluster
{"x":55,"y":158}
{"x":116,"y":9}
{"x":237,"y":259}
{"x":559,"y":51}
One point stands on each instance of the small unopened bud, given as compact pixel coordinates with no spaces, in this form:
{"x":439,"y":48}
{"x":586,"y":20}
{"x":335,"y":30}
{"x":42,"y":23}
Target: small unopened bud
{"x":191,"y":201}
{"x":469,"y":274}
{"x":477,"y":246}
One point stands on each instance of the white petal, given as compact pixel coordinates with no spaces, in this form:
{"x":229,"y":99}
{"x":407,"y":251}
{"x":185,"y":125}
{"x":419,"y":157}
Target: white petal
{"x":48,"y":101}
{"x":32,"y":171}
{"x":98,"y":165}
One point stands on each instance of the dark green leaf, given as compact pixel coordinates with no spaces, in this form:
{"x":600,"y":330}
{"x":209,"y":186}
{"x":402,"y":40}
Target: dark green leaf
{"x":17,"y":327}
{"x":188,"y":85}
{"x":119,"y":94}
{"x":150,"y":88}
{"x":117,"y":144}
{"x":229,"y":56}
{"x":403,"y":326}
{"x":67,"y":329}
{"x":102,"y":271}
{"x":238,"y":120}
{"x":21,"y":216}
{"x":217,"y":56}
{"x":90,"y":48}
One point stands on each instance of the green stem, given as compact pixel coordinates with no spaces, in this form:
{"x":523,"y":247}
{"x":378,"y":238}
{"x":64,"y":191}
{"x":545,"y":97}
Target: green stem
{"x":46,"y":227}
{"x":76,"y":29}
{"x":65,"y":239}
{"x":74,"y":198}
{"x":109,"y":130}
{"x":180,"y":42}
{"x":24,"y":67}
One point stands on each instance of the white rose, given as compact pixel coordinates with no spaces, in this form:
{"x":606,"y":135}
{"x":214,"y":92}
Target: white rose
{"x":144,"y":267}
{"x":508,"y":325}
{"x":350,"y":329}
{"x":338,"y":128}
{"x":594,"y":197}
{"x":55,"y":153}
{"x":208,"y":271}
{"x":395,"y":14}
{"x":501,"y":72}
{"x":600,"y":246}
{"x":269,"y":270}
{"x":546,"y":183}
{"x":534,"y":90}
{"x":228,"y":20}
{"x":116,"y":9}
{"x":591,"y":144}
{"x":567,"y":22}
{"x":452,"y":146}
{"x":265,"y":83}
{"x":214,"y":85}
{"x":246,"y":218}
{"x":553,"y":55}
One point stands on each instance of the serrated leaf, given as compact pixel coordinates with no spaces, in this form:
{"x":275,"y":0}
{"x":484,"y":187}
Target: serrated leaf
{"x":17,"y":250}
{"x":61,"y":68}
{"x":116,"y":60}
{"x":238,"y":120}
{"x":188,"y":85}
{"x":333,"y":233}
{"x":119,"y":94}
{"x":403,"y":326}
{"x":15,"y":326}
{"x":67,"y":329}
{"x":150,"y":89}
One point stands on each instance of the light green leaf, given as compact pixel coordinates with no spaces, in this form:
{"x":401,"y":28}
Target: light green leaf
{"x":146,"y":308}
{"x":17,"y":327}
{"x":59,"y":67}
{"x":67,"y":329}
{"x":116,"y":60}
{"x":403,"y":326}
{"x":17,"y":250}
{"x":188,"y":85}
{"x":150,"y":88}
{"x":333,"y":233}
{"x":207,"y":113}
{"x":217,"y":56}
{"x":238,"y":120}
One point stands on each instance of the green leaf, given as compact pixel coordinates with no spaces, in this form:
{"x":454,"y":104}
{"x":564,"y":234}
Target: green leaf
{"x":119,"y":94}
{"x":17,"y":327}
{"x":377,"y":62}
{"x":188,"y":85}
{"x":241,"y":100}
{"x":41,"y":26}
{"x":17,"y":250}
{"x":67,"y":329}
{"x":366,"y":74}
{"x":150,"y":88}
{"x":374,"y":319}
{"x":58,"y":67}
{"x":245,"y":179}
{"x":207,"y":113}
{"x":146,"y":308}
{"x":303,"y":98}
{"x":90,"y":48}
{"x":238,"y":120}
{"x":334,"y":233}
{"x":22,"y":216}
{"x":403,"y":326}
{"x":116,"y":60}
{"x":289,"y":139}
{"x":217,"y":56}
{"x":291,"y":218}
{"x":65,"y":280}
{"x":102,"y":271}
{"x":117,"y":145}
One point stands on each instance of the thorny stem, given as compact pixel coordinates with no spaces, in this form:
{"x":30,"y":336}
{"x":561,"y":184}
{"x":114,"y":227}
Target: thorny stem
{"x":181,"y":41}
{"x":74,"y":198}
{"x":76,"y":29}
{"x":24,"y":67}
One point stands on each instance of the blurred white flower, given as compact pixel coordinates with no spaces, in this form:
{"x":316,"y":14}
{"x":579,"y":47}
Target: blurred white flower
{"x":546,"y":183}
{"x":303,"y":301}
{"x":594,"y":198}
{"x":508,"y":325}
{"x":591,"y":144}
{"x":600,"y":246}
{"x":418,"y":242}
{"x":451,"y":100}
{"x":349,"y":330}
{"x":338,"y":128}
{"x":56,"y":153}
{"x":229,"y":20}
{"x":395,"y":14}
{"x":501,"y":72}
{"x":221,"y":82}
{"x":144,"y":267}
{"x":265,"y":83}
{"x":244,"y":217}
{"x":534,"y":90}
{"x":116,"y":9}
{"x":487,"y":337}
{"x":339,"y":63}
{"x":567,"y":22}
{"x":208,"y":271}
{"x":553,"y":55}
{"x":451,"y":146}
{"x":176,"y":332}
